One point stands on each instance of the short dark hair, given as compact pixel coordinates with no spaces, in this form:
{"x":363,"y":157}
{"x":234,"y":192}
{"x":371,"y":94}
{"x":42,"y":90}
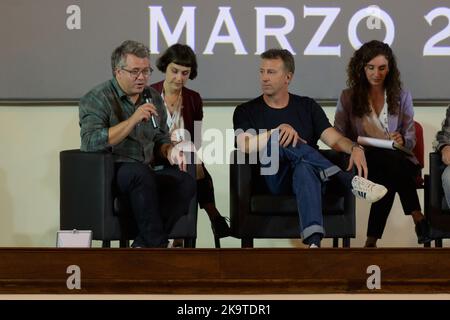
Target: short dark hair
{"x":283,"y":54}
{"x":180,"y":54}
{"x":119,"y":54}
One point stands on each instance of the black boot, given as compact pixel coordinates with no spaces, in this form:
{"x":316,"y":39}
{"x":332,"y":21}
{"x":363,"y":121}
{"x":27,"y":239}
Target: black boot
{"x":423,"y":231}
{"x":220,"y":227}
{"x":205,"y":197}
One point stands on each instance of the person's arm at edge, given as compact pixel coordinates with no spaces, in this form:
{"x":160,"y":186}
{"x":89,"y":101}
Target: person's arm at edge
{"x":443,"y":135}
{"x":442,"y":143}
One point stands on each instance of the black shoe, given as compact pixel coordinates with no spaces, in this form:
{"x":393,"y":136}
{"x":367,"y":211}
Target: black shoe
{"x":177,"y":243}
{"x":220,"y":227}
{"x":137,"y":244}
{"x":423,"y":231}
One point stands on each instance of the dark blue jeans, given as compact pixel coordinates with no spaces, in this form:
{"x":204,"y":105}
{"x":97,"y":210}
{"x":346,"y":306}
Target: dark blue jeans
{"x":303,"y":171}
{"x":157,"y":198}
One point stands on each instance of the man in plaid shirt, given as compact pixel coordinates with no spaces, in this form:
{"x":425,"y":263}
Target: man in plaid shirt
{"x":115,"y":117}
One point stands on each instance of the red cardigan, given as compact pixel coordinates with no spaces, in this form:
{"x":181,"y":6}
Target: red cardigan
{"x":192,"y":106}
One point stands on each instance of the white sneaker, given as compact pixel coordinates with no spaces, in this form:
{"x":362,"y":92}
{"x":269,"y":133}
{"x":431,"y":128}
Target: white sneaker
{"x":367,"y":190}
{"x":313,"y":246}
{"x":175,"y":243}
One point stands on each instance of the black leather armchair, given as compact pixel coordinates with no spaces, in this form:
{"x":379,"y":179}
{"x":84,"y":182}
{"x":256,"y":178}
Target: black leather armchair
{"x":89,"y":201}
{"x":436,"y":209}
{"x":255,"y":213}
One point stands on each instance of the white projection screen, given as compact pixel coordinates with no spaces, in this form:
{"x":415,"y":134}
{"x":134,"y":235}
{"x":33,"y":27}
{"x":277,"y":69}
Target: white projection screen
{"x":59,"y":49}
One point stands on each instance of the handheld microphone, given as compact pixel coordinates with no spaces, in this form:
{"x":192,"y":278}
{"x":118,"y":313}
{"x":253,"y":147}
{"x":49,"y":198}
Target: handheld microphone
{"x":148,"y":99}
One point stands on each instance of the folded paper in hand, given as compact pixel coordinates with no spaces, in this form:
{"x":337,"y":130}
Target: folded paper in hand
{"x":382,"y":143}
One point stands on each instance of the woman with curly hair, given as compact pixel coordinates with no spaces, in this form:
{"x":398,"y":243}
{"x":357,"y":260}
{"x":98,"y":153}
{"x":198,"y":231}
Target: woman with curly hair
{"x":184,"y":107}
{"x":375,"y":105}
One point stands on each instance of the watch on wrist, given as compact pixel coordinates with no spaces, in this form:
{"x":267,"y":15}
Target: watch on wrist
{"x":357,"y":145}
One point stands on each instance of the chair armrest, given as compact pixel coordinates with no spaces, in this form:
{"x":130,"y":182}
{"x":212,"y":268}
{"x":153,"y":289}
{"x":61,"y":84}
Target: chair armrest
{"x":86,"y":195}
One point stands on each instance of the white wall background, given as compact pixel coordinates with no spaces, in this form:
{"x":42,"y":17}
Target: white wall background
{"x":30,"y":141}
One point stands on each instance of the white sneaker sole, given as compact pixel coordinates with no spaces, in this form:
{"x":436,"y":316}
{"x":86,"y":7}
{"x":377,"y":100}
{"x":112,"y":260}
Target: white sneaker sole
{"x":370,"y":200}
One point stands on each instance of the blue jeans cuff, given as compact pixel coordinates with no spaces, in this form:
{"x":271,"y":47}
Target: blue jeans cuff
{"x":315,"y":228}
{"x":328,"y":172}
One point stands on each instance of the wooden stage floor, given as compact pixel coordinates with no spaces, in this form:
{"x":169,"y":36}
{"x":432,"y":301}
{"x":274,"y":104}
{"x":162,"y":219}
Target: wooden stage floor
{"x":224,"y":271}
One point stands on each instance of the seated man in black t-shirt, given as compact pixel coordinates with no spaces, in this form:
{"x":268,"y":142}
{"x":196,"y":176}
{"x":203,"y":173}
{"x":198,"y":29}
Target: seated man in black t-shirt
{"x":289,"y":126}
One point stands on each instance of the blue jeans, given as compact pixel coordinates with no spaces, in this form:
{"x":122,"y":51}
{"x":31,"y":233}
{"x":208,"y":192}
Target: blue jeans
{"x":303,"y":171}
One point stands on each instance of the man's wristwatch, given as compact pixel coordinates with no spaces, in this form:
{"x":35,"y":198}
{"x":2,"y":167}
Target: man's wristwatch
{"x":357,"y":145}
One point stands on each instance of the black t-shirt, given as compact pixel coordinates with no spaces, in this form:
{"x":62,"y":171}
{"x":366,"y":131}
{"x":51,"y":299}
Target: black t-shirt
{"x":302,"y":113}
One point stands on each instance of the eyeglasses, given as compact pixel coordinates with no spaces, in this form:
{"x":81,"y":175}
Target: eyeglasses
{"x":135,"y":73}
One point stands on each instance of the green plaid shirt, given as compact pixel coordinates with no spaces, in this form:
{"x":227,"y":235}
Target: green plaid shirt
{"x":107,"y":105}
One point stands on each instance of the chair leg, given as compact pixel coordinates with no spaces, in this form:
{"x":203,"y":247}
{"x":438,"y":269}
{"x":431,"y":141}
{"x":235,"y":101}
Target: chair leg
{"x":217,"y":242}
{"x":346,"y":242}
{"x":106,"y":244}
{"x":438,"y":243}
{"x":189,"y":242}
{"x":427,"y":245}
{"x":247,"y":243}
{"x":124,"y":244}
{"x":335,"y":242}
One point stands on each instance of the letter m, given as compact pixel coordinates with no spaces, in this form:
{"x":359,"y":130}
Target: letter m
{"x":158,"y":22}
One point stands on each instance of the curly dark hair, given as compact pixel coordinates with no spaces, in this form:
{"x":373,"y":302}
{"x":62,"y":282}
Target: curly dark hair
{"x":359,"y":85}
{"x":180,"y":54}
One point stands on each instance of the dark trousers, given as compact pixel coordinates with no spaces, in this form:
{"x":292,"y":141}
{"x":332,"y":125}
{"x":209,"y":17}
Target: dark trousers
{"x":398,"y":174}
{"x":205,"y":189}
{"x":157,"y":199}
